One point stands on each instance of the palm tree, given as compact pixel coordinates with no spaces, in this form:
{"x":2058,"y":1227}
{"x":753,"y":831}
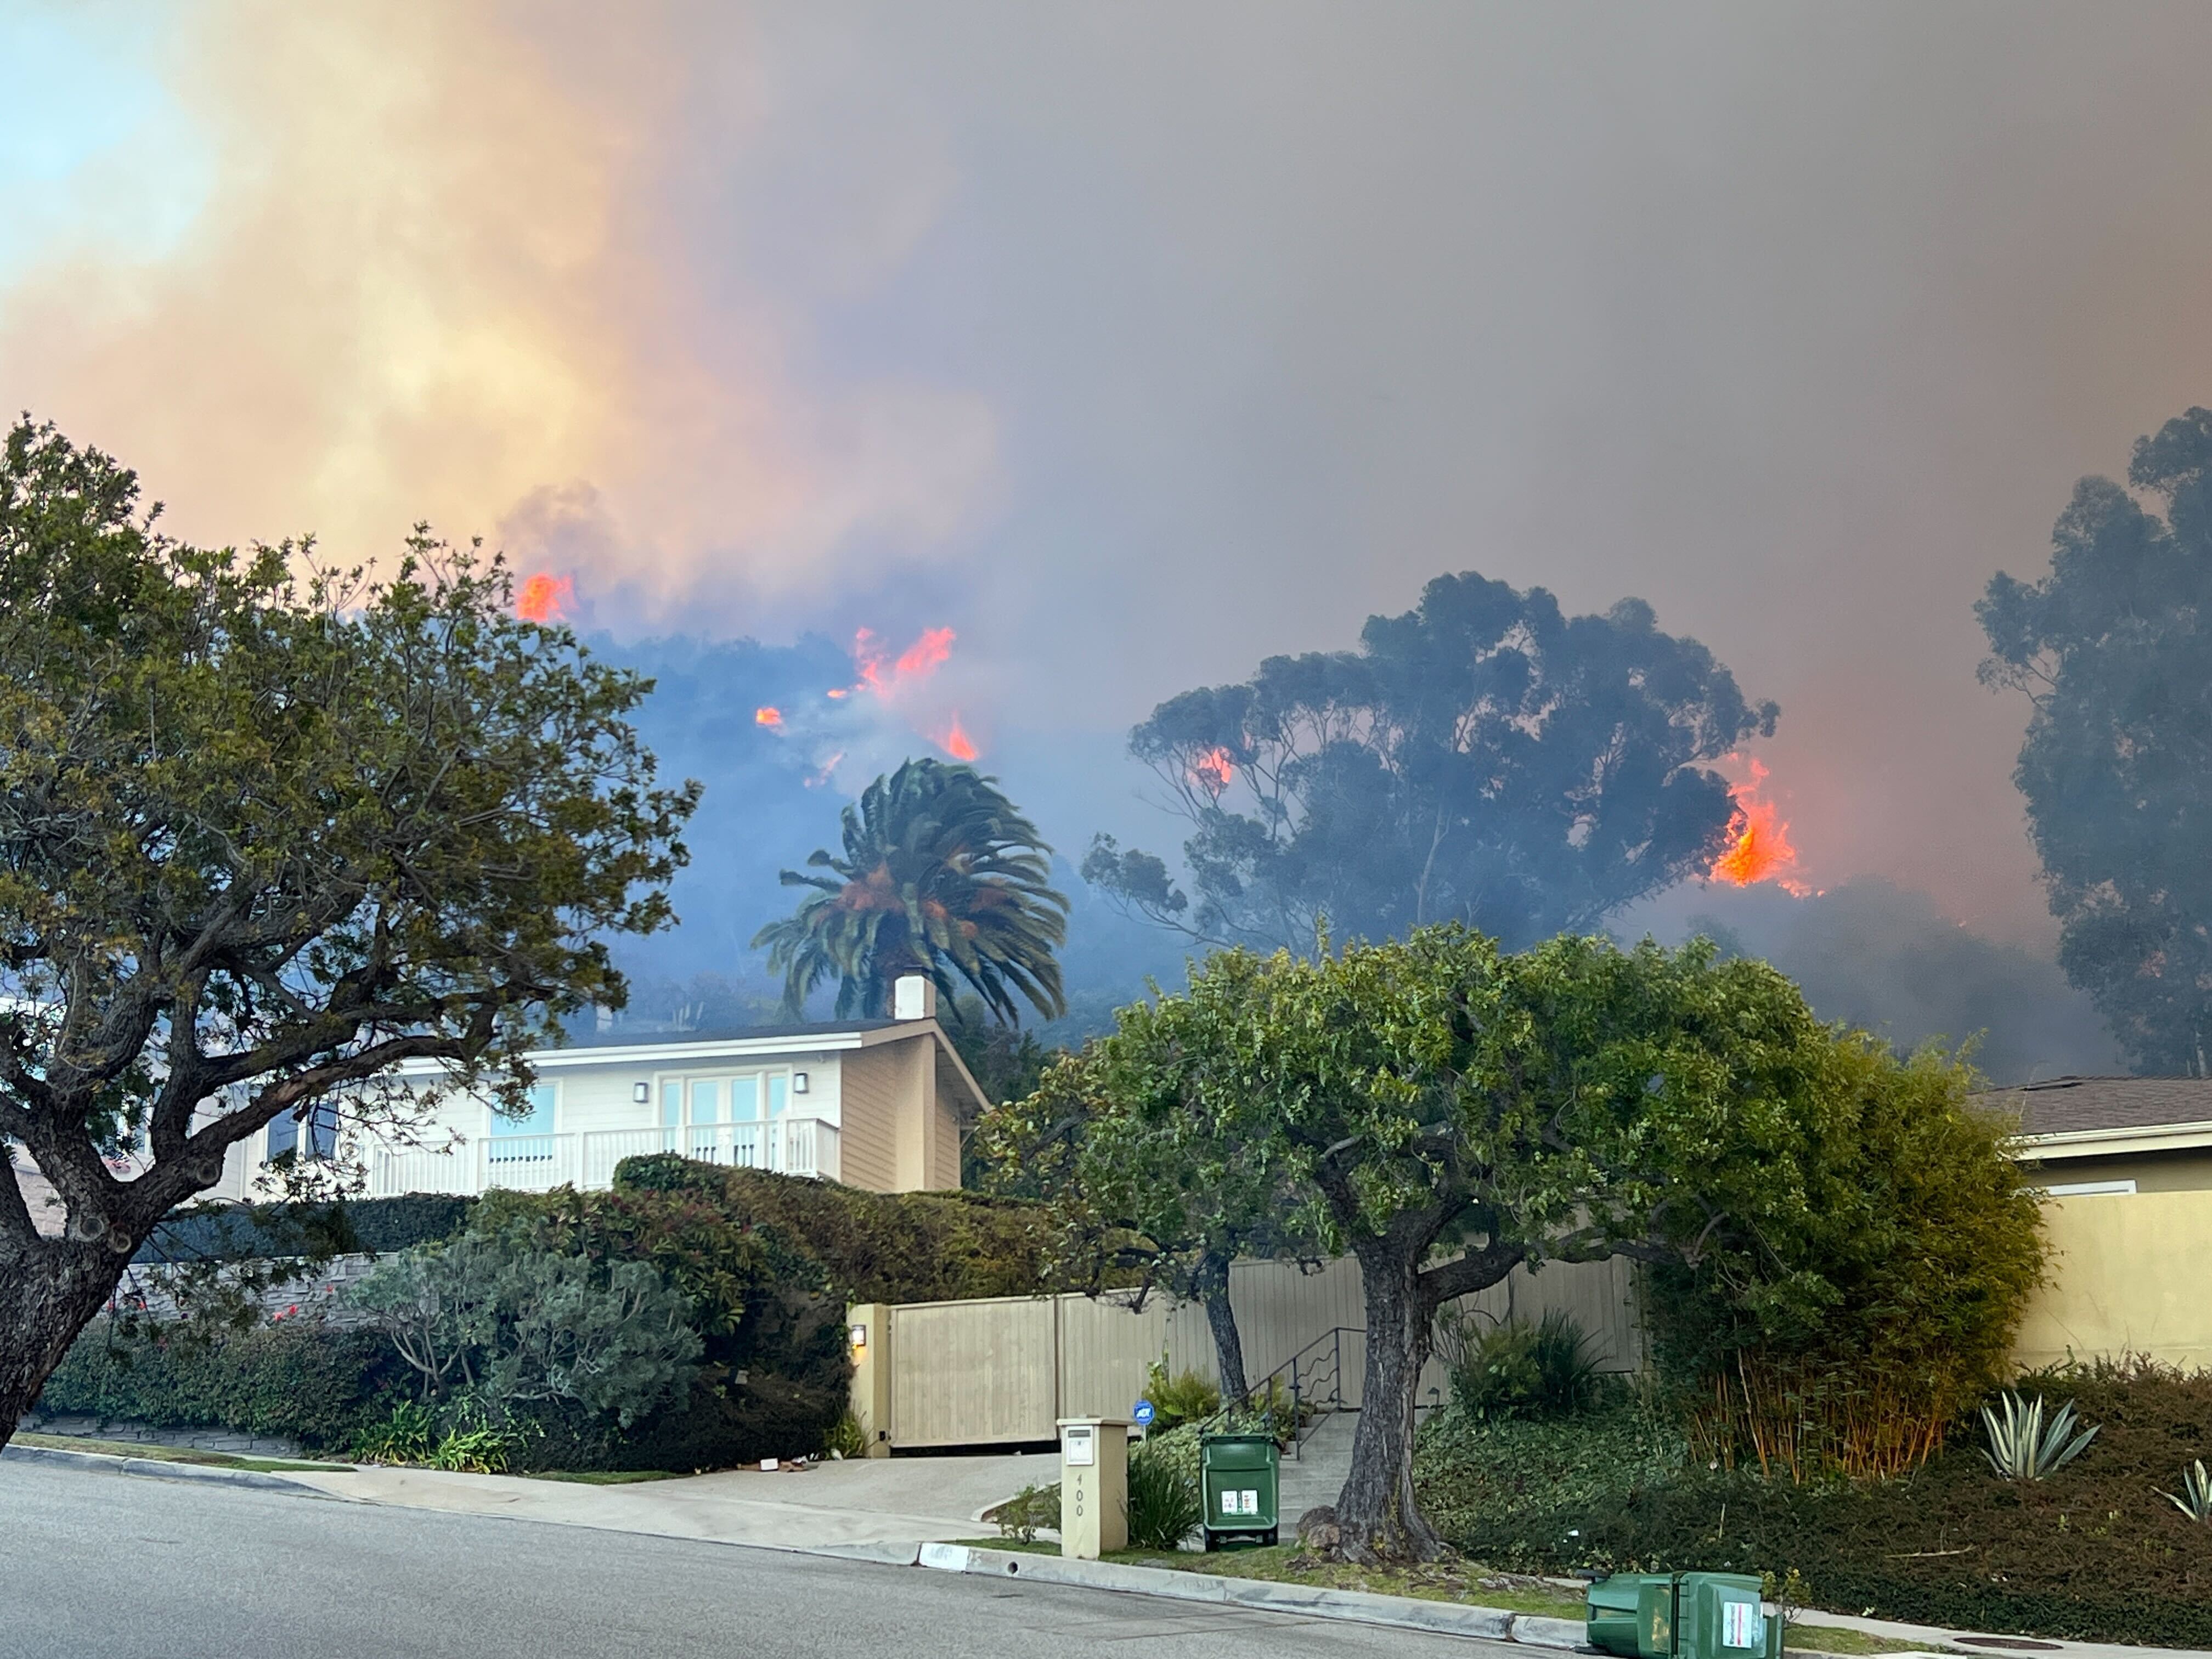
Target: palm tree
{"x":940,"y":875}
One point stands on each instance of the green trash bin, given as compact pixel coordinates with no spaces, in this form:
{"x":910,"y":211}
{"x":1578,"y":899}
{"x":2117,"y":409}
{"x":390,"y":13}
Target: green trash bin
{"x":1240,"y":1477}
{"x":1682,"y":1615}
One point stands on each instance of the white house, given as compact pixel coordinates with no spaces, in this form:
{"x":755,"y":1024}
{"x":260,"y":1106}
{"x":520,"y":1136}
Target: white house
{"x":875,"y":1103}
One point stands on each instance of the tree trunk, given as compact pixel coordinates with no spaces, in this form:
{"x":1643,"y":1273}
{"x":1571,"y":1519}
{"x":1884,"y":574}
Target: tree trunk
{"x":1376,"y":1515}
{"x":49,"y":1291}
{"x":1228,"y":1342}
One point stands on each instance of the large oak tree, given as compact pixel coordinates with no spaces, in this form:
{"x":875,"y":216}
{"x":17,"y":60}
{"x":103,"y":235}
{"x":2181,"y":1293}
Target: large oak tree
{"x":266,"y":832}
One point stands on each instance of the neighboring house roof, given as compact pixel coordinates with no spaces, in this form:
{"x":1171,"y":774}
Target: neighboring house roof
{"x":2086,"y":1116}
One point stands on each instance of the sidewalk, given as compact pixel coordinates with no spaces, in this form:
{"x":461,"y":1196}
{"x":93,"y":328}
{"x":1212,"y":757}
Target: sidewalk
{"x":859,"y":1501}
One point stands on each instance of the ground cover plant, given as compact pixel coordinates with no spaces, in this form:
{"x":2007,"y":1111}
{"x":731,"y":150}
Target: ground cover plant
{"x":2093,"y":1552}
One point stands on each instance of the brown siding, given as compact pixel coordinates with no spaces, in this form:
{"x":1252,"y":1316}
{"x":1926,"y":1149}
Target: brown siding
{"x":868,"y":1093}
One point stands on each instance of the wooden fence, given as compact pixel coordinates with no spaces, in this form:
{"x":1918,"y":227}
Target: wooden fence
{"x":1003,"y":1370}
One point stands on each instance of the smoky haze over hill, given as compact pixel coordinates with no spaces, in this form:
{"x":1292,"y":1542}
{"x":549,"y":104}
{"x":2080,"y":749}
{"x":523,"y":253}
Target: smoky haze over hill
{"x":1137,"y":344}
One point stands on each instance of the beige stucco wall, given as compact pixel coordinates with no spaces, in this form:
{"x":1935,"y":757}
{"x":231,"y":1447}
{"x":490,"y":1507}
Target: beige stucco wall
{"x":2189,"y":1170}
{"x":2127,"y":1275}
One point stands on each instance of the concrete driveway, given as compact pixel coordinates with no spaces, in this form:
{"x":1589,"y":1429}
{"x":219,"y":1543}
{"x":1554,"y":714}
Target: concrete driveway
{"x":861,"y":1501}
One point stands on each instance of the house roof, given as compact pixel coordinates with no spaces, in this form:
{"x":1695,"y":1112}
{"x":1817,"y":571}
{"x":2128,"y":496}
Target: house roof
{"x":2091,"y":1115}
{"x":729,"y":1034}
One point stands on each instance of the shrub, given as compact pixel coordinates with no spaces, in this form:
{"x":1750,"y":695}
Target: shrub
{"x":515,"y":1327}
{"x":1164,"y":1505}
{"x":1178,"y":1400}
{"x":1855,"y":1329}
{"x":2091,"y":1553}
{"x":2194,"y":1498}
{"x":845,"y":1437}
{"x":1030,"y":1511}
{"x":1516,"y":1368}
{"x":408,"y":1436}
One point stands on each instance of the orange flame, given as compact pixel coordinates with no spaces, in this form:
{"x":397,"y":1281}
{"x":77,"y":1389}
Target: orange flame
{"x":1759,"y":847}
{"x":1213,"y":771}
{"x":883,"y":674}
{"x":955,"y":743}
{"x":815,"y":780}
{"x":769,"y":717}
{"x":544,"y":597}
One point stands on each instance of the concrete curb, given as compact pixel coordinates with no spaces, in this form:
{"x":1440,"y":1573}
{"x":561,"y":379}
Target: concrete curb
{"x":1403,"y":1613}
{"x":154,"y":1468}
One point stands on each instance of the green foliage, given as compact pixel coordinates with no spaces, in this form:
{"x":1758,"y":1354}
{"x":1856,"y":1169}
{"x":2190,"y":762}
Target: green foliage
{"x":1178,"y":1400}
{"x":1515,"y":1369}
{"x":1849,"y":1327}
{"x":1030,"y":1511}
{"x":1164,"y":1504}
{"x":492,"y":1317}
{"x":940,"y":875}
{"x":2023,"y":1446}
{"x":845,"y":1437}
{"x":2093,"y":1553}
{"x":299,"y":1379}
{"x":473,"y":1443}
{"x":2111,"y":649}
{"x":1482,"y":759}
{"x":421,"y":816}
{"x":311,"y":1230}
{"x":409,"y":1435}
{"x":869,"y":1247}
{"x":2194,"y":1498}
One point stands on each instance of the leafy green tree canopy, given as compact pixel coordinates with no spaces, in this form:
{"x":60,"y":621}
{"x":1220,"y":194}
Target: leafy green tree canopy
{"x":264,"y":835}
{"x":1450,"y":1113}
{"x":1098,"y":1139}
{"x":940,"y":875}
{"x":2113,"y":649}
{"x":1482,"y":759}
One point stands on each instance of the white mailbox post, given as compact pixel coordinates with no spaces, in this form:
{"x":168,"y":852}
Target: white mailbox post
{"x":1094,"y":1486}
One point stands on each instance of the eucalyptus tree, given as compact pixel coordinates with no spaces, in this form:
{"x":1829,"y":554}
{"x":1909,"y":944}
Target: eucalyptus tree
{"x":938,"y":875}
{"x":2113,"y":651}
{"x":1483,"y":758}
{"x":266,"y":832}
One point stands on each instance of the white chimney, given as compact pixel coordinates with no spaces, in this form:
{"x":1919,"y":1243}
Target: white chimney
{"x":913,"y":997}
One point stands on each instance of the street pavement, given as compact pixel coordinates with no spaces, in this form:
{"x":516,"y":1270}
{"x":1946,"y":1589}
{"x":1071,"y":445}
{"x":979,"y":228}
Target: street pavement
{"x":122,"y":1567}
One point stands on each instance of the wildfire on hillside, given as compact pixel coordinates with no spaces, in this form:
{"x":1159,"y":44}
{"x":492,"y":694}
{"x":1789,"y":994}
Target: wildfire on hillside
{"x":544,"y":597}
{"x":894,"y":679}
{"x":956,"y":742}
{"x":1759,"y":847}
{"x":767,"y":716}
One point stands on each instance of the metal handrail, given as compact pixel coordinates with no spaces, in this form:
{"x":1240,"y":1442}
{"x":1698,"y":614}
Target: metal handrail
{"x":1308,"y":1371}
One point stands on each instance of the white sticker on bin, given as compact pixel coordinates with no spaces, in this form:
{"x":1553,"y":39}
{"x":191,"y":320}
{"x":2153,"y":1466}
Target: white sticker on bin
{"x":1743,"y":1625}
{"x":1244,"y":1502}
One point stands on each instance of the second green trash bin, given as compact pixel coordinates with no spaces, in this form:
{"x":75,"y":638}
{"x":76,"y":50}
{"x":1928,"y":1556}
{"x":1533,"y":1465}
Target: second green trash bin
{"x":1240,"y":1477}
{"x":1681,"y":1615}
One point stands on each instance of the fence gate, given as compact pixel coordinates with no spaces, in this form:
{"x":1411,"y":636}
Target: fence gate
{"x":975,"y":1373}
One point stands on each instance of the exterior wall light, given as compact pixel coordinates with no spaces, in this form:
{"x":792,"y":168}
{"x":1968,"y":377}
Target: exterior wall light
{"x":859,"y":1336}
{"x":642,"y":1093}
{"x":798,"y":1082}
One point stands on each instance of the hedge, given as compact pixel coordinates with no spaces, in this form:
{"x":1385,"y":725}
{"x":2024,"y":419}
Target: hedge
{"x":242,"y":1232}
{"x":299,"y":1379}
{"x":876,"y":1246}
{"x":2093,"y":1552}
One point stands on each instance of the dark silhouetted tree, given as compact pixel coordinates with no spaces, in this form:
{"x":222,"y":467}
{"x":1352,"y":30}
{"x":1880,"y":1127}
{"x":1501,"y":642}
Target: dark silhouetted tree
{"x":2113,"y":649}
{"x":1482,"y":759}
{"x":940,"y":876}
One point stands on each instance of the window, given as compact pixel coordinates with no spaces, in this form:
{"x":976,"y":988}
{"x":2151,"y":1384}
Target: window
{"x":779,"y":1093}
{"x":526,"y":1139}
{"x":316,"y":1137}
{"x":2086,"y":1188}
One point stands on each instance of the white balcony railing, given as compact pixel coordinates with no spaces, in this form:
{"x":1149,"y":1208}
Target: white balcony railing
{"x":799,"y":1146}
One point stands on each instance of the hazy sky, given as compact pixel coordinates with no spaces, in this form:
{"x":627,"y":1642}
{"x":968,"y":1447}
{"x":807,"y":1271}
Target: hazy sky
{"x":1135,"y":342}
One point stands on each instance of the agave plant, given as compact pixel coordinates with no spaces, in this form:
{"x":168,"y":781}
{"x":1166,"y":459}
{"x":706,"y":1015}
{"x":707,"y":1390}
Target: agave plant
{"x":2194,"y":1498}
{"x":2023,"y":1446}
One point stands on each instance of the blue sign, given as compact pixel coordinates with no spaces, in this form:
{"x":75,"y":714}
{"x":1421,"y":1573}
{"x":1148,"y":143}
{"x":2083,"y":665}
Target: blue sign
{"x":1142,"y":1413}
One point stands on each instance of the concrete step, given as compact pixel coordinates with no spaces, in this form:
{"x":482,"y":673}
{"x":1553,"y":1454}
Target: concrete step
{"x":1317,"y":1474}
